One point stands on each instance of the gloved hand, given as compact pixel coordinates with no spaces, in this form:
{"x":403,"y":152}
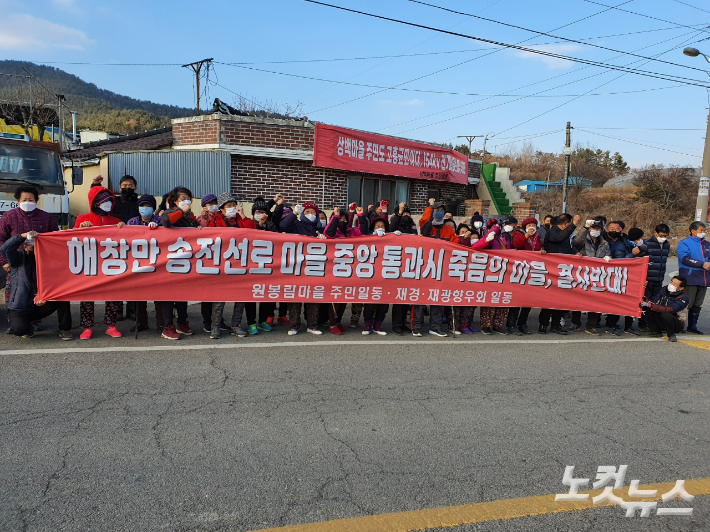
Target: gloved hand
{"x":298,"y":209}
{"x":321,"y":236}
{"x":398,"y":232}
{"x":152,"y":225}
{"x":384,"y":204}
{"x":607,"y":258}
{"x":644,"y":304}
{"x":491,"y":236}
{"x":352,"y":206}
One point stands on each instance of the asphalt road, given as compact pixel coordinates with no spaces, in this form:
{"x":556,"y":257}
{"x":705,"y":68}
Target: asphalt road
{"x":243,"y":434}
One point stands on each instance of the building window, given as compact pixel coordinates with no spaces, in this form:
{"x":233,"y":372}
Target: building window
{"x":367,"y":191}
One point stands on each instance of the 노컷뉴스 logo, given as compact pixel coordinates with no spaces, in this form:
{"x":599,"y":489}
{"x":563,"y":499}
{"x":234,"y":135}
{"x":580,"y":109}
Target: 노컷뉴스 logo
{"x":607,"y":475}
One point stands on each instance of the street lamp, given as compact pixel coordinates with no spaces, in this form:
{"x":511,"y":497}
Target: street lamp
{"x":701,"y":207}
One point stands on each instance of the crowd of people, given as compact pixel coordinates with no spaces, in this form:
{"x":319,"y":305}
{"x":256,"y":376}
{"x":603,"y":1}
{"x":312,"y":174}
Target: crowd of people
{"x":666,"y":309}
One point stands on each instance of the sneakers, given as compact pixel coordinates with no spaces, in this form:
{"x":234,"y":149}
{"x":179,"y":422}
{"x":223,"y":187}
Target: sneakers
{"x":252,"y":330}
{"x":613,"y":331}
{"x":293,"y":331}
{"x":559,"y":330}
{"x":672,"y":338}
{"x":335,"y":330}
{"x":417,"y":333}
{"x":264,"y":326}
{"x":205,"y":327}
{"x":398,"y":331}
{"x":514,"y":331}
{"x":316,"y":331}
{"x":378,"y":329}
{"x":500,"y":330}
{"x":283,"y":320}
{"x":486,"y":330}
{"x":631,"y":331}
{"x":86,"y":334}
{"x":592,"y":331}
{"x":113,"y":332}
{"x":170,"y":333}
{"x":238,"y":331}
{"x":184,"y":328}
{"x":30,"y":334}
{"x":66,"y":335}
{"x":466,"y":330}
{"x":223,"y":326}
{"x":368,"y":328}
{"x":214,"y":334}
{"x":270,"y":321}
{"x":523,"y":329}
{"x":542,"y":329}
{"x":440,"y":334}
{"x":574,"y":328}
{"x":343,"y":330}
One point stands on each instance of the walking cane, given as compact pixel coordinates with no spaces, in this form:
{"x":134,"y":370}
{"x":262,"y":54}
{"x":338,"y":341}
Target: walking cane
{"x":135,"y":312}
{"x":453,"y":319}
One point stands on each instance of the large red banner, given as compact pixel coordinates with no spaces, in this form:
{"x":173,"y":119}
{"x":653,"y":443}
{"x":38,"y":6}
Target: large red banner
{"x":349,"y":149}
{"x":137,"y":264}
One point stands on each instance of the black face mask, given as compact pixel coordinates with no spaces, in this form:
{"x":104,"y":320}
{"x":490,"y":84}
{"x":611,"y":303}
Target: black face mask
{"x":547,"y":226}
{"x":127,"y":192}
{"x":343,"y":226}
{"x":614,"y":235}
{"x":407,"y":220}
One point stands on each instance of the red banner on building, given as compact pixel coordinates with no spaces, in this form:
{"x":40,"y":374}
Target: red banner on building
{"x":137,"y":264}
{"x":349,"y":149}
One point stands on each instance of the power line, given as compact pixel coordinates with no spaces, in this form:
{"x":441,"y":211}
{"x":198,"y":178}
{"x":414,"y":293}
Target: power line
{"x":638,"y":143}
{"x":641,"y":15}
{"x":552,"y":36}
{"x":312,"y":78}
{"x":504,"y":103}
{"x":646,"y":73}
{"x":464,"y":62}
{"x":694,"y":7}
{"x":648,"y":128}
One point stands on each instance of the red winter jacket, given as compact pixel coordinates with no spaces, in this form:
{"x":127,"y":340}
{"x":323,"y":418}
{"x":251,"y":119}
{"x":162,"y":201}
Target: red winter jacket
{"x":97,"y":219}
{"x":522,"y":242}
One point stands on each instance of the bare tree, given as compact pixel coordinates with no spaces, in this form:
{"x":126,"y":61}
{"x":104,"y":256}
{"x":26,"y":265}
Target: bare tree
{"x":28,"y":105}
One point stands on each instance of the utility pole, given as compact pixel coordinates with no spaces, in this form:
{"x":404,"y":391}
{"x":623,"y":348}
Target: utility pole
{"x":469,"y":138}
{"x":60,"y":99}
{"x":196,"y":68}
{"x":701,"y":207}
{"x":483,"y":155}
{"x":568,"y":155}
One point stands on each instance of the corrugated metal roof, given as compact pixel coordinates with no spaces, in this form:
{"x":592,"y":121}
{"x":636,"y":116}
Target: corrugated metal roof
{"x":203,"y":172}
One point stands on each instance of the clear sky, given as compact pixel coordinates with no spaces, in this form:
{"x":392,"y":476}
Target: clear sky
{"x":286,"y":36}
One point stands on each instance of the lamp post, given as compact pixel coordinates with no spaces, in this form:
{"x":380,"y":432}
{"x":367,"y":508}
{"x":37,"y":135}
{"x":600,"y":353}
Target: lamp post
{"x":701,"y":207}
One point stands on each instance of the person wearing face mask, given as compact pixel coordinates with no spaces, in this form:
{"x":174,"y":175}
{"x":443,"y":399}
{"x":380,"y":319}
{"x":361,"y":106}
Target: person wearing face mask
{"x":432,"y":223}
{"x":656,"y":248}
{"x":374,"y":313}
{"x":22,"y":308}
{"x":590,"y":243}
{"x":621,"y":247}
{"x":477,"y":224}
{"x":178,"y":214}
{"x":307,"y":225}
{"x":666,"y":311}
{"x":147,"y":218}
{"x":402,"y":221}
{"x":493,"y":319}
{"x":23,"y":218}
{"x":545,"y":227}
{"x":209,"y":209}
{"x":693,"y":264}
{"x":101,"y":201}
{"x":527,"y":239}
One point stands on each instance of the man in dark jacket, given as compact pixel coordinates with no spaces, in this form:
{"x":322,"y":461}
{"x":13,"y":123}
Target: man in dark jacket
{"x":402,"y":221}
{"x":126,"y":206}
{"x":665,"y":313}
{"x":22,"y":307}
{"x":656,"y":249}
{"x":558,"y":239}
{"x":694,"y":264}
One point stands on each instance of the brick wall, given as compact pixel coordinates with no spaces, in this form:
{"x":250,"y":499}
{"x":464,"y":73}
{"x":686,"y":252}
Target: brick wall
{"x":419,"y":193}
{"x":267,"y":135}
{"x":202,"y":132}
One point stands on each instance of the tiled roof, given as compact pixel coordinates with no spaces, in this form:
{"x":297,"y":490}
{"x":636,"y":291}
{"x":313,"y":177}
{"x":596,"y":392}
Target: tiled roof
{"x":149,"y":140}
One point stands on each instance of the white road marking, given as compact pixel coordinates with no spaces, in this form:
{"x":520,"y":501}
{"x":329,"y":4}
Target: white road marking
{"x":185,"y":346}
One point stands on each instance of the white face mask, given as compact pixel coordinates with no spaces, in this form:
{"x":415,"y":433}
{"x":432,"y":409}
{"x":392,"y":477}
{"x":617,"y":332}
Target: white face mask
{"x":257,"y":217}
{"x":595,"y":234}
{"x":507,"y":228}
{"x":701,"y":236}
{"x":230,"y":212}
{"x":672,"y":288}
{"x":185,"y":203}
{"x":212,"y":208}
{"x":380,"y":232}
{"x":661,"y":239}
{"x":310,"y":217}
{"x":474,"y":240}
{"x":28,"y":206}
{"x":106,"y":206}
{"x":477,"y":225}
